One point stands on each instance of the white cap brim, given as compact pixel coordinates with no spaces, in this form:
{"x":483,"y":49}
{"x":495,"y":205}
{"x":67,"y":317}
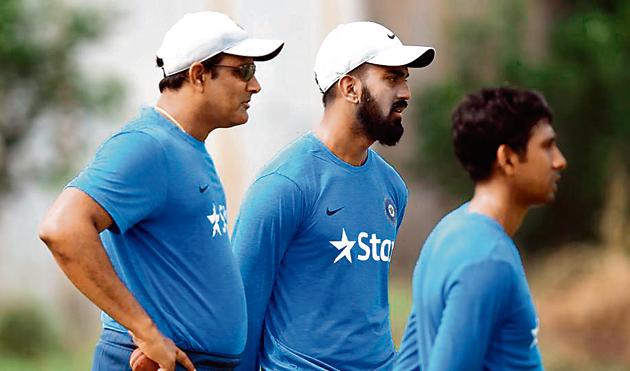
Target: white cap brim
{"x":404,"y":55}
{"x":259,"y":49}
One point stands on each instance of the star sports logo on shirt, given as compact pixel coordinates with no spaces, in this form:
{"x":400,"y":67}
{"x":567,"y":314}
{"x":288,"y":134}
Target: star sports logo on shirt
{"x":218,"y":219}
{"x":377,"y":250}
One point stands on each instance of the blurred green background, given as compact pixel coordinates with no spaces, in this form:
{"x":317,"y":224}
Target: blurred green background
{"x":577,"y":53}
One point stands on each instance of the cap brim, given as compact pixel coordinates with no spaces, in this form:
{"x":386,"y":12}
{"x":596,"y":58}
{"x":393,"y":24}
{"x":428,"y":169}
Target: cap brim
{"x":405,"y":55}
{"x":259,"y":49}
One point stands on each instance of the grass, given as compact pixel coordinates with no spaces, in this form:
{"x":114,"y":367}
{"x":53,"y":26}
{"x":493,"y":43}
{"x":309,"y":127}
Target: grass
{"x":76,"y":360}
{"x":399,"y":307}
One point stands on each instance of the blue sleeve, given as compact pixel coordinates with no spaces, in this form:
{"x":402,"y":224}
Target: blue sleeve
{"x":269,"y":217}
{"x":127,"y":178}
{"x":407,"y":358}
{"x":402,"y":206}
{"x":476,"y":299}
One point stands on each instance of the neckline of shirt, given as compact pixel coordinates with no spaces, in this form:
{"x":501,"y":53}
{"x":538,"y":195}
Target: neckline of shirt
{"x":495,"y":223}
{"x":336,"y":160}
{"x":175,"y":130}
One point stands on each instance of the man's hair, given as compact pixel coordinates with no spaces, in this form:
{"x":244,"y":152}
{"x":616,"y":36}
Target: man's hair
{"x":175,"y":82}
{"x":488,"y":118}
{"x":331,"y":93}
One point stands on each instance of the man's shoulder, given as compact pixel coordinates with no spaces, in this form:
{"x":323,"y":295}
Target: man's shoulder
{"x":460,"y":243}
{"x":472,"y":237}
{"x":380,"y":161}
{"x":296,"y":161}
{"x":145,"y":134}
{"x":144,"y":125}
{"x":130,"y":142}
{"x":388,"y":170}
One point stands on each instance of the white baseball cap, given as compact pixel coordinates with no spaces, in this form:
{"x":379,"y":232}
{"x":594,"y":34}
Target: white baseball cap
{"x":352,"y":44}
{"x":200,"y":36}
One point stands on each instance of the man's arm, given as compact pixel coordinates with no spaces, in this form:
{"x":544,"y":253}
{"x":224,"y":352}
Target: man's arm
{"x":407,"y":358}
{"x":71,"y":231}
{"x":269,"y":218}
{"x":476,"y":302}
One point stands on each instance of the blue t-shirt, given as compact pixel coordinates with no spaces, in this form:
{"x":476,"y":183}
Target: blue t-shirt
{"x":472,"y":308}
{"x":169,"y":243}
{"x":313,"y":240}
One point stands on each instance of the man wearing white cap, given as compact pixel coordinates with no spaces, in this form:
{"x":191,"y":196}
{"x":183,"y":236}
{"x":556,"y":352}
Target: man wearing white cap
{"x":162,"y":269}
{"x":317,"y":229}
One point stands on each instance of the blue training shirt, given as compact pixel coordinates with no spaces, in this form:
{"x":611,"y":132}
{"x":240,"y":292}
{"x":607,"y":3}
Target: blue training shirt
{"x":472,"y":308}
{"x":169,"y":243}
{"x":314,"y":239}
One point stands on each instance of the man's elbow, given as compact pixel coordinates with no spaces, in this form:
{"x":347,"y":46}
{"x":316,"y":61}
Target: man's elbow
{"x":48,"y":231}
{"x":57,"y":236}
{"x":51,"y":232}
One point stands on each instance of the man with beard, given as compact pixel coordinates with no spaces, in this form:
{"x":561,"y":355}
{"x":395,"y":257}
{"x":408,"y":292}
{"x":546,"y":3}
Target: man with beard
{"x":317,"y":228}
{"x":472,"y":309}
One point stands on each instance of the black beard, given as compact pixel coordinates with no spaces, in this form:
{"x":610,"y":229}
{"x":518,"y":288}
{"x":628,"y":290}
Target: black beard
{"x":387,"y":130}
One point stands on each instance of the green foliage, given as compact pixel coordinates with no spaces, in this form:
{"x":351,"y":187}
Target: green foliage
{"x":585,"y":78}
{"x":40,"y":75}
{"x":25,"y":332}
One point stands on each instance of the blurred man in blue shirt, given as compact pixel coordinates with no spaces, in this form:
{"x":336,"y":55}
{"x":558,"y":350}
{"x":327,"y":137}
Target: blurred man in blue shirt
{"x":472,"y":308}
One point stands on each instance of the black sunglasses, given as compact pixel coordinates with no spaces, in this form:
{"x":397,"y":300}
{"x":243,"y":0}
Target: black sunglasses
{"x":245,"y":71}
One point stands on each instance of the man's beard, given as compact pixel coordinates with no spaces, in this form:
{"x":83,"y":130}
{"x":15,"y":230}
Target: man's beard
{"x":387,"y":130}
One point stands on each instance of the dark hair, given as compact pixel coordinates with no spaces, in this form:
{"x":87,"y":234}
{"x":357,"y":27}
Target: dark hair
{"x":488,"y":118}
{"x":174,"y":82}
{"x":331,"y":93}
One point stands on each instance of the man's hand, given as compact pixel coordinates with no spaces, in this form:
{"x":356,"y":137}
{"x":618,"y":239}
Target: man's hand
{"x":161,"y":350}
{"x":140,"y":362}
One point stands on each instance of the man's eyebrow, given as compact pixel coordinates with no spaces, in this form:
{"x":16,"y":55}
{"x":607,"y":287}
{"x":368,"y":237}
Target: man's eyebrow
{"x":550,"y":140}
{"x":399,"y":72}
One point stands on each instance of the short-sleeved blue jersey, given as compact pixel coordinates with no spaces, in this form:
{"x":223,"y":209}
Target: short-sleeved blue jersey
{"x":169,"y":243}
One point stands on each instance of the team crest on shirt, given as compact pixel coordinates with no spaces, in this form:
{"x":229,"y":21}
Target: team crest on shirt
{"x":218,"y":219}
{"x":390,"y":210}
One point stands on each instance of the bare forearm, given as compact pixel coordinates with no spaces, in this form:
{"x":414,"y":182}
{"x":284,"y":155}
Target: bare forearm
{"x":86,"y":264}
{"x":71,"y":231}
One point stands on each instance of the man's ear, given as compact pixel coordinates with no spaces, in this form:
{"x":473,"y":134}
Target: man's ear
{"x":196,"y":76}
{"x":349,"y":88}
{"x":506,"y":159}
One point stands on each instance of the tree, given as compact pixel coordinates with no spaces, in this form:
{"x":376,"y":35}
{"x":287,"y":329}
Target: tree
{"x":40,"y":74}
{"x":585,"y":78}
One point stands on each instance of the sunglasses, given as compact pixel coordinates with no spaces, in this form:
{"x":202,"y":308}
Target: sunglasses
{"x":245,"y":71}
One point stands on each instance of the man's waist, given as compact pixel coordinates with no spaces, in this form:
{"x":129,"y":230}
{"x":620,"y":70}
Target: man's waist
{"x":199,"y":358}
{"x":331,"y":352}
{"x":116,"y":334}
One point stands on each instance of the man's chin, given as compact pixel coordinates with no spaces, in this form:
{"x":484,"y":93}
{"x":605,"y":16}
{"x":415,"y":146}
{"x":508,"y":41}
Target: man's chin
{"x":389,"y":142}
{"x":549,"y":198}
{"x":393,"y":139}
{"x":242,"y":119}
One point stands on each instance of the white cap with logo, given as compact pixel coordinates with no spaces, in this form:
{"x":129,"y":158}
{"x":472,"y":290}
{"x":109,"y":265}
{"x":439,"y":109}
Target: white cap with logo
{"x":352,"y":44}
{"x":200,"y":36}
